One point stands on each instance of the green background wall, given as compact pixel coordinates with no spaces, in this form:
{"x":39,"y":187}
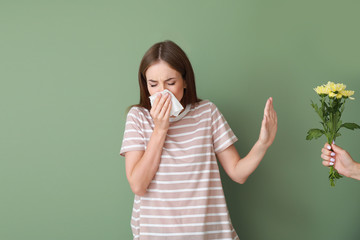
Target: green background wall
{"x":68,"y":72}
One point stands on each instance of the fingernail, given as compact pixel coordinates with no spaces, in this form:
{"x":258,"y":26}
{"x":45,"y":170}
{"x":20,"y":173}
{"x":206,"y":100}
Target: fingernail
{"x":332,"y":154}
{"x":332,"y":159}
{"x":328,"y":147}
{"x":331,"y":163}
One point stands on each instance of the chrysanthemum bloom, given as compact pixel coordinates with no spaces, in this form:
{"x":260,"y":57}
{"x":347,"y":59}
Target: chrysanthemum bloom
{"x":348,"y":94}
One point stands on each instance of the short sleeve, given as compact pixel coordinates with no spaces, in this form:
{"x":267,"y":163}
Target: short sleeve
{"x":133,"y":139}
{"x":222,"y":135}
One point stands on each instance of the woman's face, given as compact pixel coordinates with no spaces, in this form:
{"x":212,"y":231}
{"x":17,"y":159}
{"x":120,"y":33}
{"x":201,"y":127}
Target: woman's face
{"x":161,"y":76}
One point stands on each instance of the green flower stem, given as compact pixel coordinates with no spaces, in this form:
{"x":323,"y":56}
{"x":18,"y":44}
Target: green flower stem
{"x":333,"y":173}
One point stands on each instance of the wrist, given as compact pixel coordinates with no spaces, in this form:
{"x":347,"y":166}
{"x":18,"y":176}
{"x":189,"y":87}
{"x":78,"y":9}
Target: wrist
{"x":160,"y":131}
{"x":261,"y":145}
{"x":355,"y":171}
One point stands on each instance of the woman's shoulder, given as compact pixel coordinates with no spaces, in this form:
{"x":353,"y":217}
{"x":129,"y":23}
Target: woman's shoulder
{"x":138,"y":111}
{"x":203,"y":105}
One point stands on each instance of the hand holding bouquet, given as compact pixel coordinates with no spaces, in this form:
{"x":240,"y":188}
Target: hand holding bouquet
{"x":332,"y":99}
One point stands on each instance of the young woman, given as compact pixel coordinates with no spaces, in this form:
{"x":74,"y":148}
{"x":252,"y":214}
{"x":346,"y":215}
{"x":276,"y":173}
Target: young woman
{"x":171,"y":161}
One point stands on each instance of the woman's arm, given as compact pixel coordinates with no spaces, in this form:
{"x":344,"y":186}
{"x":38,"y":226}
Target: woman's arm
{"x":240,"y":169}
{"x":141,"y":166}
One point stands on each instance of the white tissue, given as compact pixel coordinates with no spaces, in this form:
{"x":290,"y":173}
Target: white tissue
{"x":176,"y":106}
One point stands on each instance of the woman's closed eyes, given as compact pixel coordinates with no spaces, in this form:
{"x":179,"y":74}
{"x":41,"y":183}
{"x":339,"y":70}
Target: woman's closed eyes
{"x":168,"y":83}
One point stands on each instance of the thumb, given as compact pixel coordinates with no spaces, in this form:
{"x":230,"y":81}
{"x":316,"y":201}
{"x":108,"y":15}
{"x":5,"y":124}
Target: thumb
{"x":336,"y":148}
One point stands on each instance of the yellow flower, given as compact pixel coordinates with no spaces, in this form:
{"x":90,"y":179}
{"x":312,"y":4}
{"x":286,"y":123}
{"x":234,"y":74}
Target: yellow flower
{"x":331,"y":86}
{"x":331,"y":94}
{"x":334,"y":90}
{"x":321,"y":90}
{"x":339,"y":87}
{"x":337,"y":95}
{"x":348,"y":93}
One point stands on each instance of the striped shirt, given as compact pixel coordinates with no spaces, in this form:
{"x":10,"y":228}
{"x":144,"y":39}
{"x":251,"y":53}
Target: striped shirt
{"x":185,"y":199}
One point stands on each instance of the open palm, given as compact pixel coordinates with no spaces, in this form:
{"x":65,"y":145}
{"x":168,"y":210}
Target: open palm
{"x":269,"y":124}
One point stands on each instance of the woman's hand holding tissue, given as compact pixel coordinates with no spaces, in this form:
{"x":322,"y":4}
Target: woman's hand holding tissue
{"x":268,"y":125}
{"x":160,"y":112}
{"x":176,"y":106}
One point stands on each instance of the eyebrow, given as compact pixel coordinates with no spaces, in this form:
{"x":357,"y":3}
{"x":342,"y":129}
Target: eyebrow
{"x":150,"y":80}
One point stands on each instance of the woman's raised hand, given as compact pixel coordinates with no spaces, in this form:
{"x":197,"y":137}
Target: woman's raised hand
{"x":268,"y":125}
{"x":160,"y":111}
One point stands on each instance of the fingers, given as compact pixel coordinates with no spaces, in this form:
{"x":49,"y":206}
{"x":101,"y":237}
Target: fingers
{"x":270,"y":115}
{"x":327,"y":163}
{"x":157,"y":99}
{"x":161,"y":108}
{"x":326,"y":149}
{"x":165,"y":111}
{"x":160,"y":111}
{"x":334,"y":148}
{"x":328,"y":160}
{"x":327,"y":155}
{"x":267,"y":107}
{"x":159,"y":103}
{"x":273,"y":112}
{"x":327,"y":146}
{"x":155,"y":104}
{"x":327,"y":152}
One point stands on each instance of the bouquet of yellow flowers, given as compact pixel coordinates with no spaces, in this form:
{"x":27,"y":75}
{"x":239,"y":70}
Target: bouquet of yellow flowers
{"x":332,"y":98}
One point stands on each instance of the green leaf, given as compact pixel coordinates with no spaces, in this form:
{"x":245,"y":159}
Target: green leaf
{"x":333,"y":175}
{"x":330,"y":125}
{"x":326,"y":105}
{"x":338,"y":125}
{"x":350,"y":126}
{"x":337,"y":175}
{"x":343,"y":107}
{"x":314,"y":133}
{"x":314,"y":105}
{"x":317,"y":109}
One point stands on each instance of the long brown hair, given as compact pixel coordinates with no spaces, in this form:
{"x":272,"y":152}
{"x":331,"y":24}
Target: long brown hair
{"x":172,"y":54}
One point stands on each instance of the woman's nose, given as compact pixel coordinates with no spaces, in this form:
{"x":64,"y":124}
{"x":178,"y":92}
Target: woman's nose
{"x":162,"y":88}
